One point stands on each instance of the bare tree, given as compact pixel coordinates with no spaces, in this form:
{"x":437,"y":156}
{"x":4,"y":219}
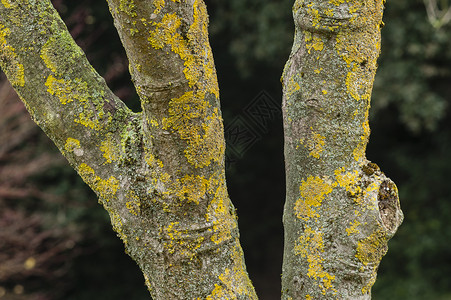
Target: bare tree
{"x":341,"y":210}
{"x":160,"y":173}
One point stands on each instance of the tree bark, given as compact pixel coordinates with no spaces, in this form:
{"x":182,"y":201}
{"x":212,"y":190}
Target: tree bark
{"x":158,"y":173}
{"x":340,"y":209}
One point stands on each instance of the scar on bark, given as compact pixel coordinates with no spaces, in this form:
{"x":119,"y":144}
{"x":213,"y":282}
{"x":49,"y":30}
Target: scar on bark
{"x":388,"y":202}
{"x":387,"y":198}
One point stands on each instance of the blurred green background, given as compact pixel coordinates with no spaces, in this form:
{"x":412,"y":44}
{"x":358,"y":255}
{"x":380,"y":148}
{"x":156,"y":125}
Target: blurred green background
{"x":56,"y":241}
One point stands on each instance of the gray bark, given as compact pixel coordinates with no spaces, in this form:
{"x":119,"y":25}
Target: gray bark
{"x":159,"y":173}
{"x":340,"y":209}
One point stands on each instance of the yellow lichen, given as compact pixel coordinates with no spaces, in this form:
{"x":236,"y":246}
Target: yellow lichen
{"x":159,"y":4}
{"x":116,"y":222}
{"x":6,"y":3}
{"x":316,"y":17}
{"x":133,"y":205}
{"x":67,"y":91}
{"x":222,"y":225}
{"x":218,"y":293}
{"x":104,"y":188}
{"x":147,"y":282}
{"x":179,"y":241}
{"x":110,"y":149}
{"x":315,"y":143}
{"x":71,"y":144}
{"x":355,"y":83}
{"x":128,"y":6}
{"x":370,"y":252}
{"x":154,"y":123}
{"x":173,"y":234}
{"x":191,"y":114}
{"x":165,"y":32}
{"x":193,"y":188}
{"x":199,"y":67}
{"x":313,"y":41}
{"x":60,"y":52}
{"x":15,"y":70}
{"x":205,"y":142}
{"x":234,"y":279}
{"x":371,"y":249}
{"x":336,"y":2}
{"x":218,"y":212}
{"x":151,"y":160}
{"x":310,"y":246}
{"x":63,"y":89}
{"x":348,"y":180}
{"x":312,"y":191}
{"x":359,"y":151}
{"x":353,"y":228}
{"x":292,"y":87}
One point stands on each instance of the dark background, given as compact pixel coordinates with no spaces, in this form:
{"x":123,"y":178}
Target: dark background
{"x":56,"y":241}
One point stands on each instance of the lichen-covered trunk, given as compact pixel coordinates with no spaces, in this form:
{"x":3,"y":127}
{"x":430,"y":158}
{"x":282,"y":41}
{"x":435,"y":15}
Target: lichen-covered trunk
{"x":158,"y":173}
{"x":340,"y":209}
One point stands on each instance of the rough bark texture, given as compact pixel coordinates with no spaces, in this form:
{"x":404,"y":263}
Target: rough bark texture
{"x":340,"y":210}
{"x":159,"y":173}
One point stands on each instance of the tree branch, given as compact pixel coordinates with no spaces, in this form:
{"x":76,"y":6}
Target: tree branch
{"x":63,"y":93}
{"x":172,"y":67}
{"x":159,"y":174}
{"x":340,"y":210}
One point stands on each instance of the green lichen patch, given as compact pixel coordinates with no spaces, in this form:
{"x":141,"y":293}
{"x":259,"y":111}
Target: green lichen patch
{"x":60,"y":53}
{"x":131,"y":143}
{"x":128,"y":6}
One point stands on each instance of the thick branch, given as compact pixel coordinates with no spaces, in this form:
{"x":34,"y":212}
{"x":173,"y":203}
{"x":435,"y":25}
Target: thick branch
{"x":63,"y":93}
{"x":172,"y":67}
{"x":340,"y":209}
{"x":160,"y":177}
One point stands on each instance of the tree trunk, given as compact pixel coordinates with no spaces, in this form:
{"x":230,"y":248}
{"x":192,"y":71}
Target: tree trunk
{"x":158,"y":173}
{"x":340,"y":209}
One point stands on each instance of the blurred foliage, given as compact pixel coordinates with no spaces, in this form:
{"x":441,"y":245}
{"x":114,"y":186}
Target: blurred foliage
{"x":251,"y":40}
{"x":252,"y":32}
{"x":38,"y":233}
{"x":411,"y":125}
{"x":415,"y":71}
